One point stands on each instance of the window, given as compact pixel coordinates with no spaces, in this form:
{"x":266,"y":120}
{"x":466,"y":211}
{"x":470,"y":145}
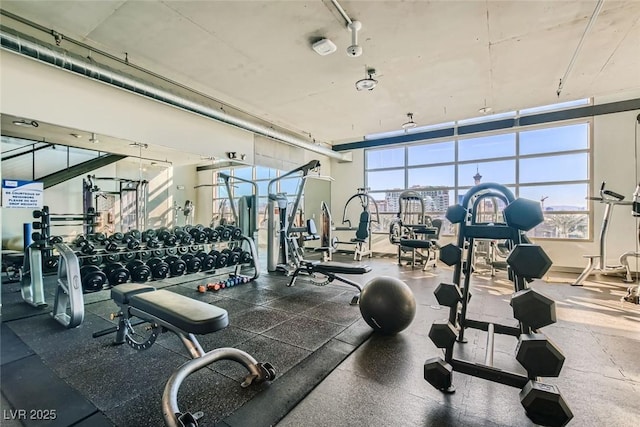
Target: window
{"x":487,"y":147}
{"x":428,"y":154}
{"x":387,"y":158}
{"x":549,"y":164}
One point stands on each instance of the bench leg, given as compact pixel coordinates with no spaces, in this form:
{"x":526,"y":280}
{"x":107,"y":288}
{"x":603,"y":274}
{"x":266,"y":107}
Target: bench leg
{"x":586,"y":272}
{"x":193,"y":346}
{"x":258,"y":372}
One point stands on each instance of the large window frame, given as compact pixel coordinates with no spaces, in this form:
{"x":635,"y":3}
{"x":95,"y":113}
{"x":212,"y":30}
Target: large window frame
{"x":458,"y":188}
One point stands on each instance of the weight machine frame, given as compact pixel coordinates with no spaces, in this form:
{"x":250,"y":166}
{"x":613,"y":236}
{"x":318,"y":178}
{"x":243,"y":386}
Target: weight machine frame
{"x":597,"y":263}
{"x":89,"y":200}
{"x":283,"y":250}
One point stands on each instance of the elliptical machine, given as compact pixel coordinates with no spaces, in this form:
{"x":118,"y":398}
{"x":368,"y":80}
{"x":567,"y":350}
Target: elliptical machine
{"x":597,"y":263}
{"x":283,"y":251}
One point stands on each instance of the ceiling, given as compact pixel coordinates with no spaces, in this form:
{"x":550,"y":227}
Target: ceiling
{"x":440,"y":60}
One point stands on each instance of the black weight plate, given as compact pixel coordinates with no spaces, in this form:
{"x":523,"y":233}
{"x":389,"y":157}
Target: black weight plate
{"x":233,"y":259}
{"x":145,"y":255}
{"x":157,"y":252}
{"x":112,"y":257}
{"x":133,"y":244}
{"x":236,"y":233}
{"x":127,"y":256}
{"x":117,"y":236}
{"x":183,"y":250}
{"x":171,"y":251}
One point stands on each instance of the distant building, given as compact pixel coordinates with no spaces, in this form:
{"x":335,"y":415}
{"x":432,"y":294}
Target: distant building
{"x":436,"y":199}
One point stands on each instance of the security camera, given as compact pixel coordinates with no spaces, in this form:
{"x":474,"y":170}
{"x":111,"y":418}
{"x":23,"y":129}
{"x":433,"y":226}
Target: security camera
{"x":354,"y":50}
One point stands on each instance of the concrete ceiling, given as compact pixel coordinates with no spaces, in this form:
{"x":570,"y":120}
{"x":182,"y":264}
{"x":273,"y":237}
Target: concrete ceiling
{"x":441,"y":60}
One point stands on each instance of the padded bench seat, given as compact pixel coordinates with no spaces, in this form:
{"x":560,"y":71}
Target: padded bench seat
{"x":122,"y":293}
{"x":191,"y":316}
{"x":416,"y":243}
{"x":340,"y":268}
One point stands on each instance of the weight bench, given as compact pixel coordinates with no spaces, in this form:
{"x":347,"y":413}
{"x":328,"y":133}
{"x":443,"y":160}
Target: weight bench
{"x":331,"y":270}
{"x":186,"y":317}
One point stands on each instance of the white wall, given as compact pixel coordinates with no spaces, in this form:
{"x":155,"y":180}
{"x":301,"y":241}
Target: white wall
{"x":41,"y":92}
{"x":614,"y":161}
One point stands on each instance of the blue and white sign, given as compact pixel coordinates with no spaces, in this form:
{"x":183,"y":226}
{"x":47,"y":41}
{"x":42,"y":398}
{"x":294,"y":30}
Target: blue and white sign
{"x":22,"y":194}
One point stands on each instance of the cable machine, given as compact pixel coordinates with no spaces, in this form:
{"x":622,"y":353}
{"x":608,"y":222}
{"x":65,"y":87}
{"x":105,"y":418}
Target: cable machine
{"x":132,"y":196}
{"x":363,"y":230}
{"x":283,"y":250}
{"x":245,"y":216}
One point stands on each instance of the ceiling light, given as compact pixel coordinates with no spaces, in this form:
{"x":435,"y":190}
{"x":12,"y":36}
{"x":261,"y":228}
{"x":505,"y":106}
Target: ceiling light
{"x":368,"y":83}
{"x":76,"y":135}
{"x":94,"y":139}
{"x":26,"y":123}
{"x":485,"y":110}
{"x":409,"y":124}
{"x":324,"y":47}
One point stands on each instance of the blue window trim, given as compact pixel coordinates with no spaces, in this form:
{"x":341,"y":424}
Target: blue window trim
{"x":534,"y":119}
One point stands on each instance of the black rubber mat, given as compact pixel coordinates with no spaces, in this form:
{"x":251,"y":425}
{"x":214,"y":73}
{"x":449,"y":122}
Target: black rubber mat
{"x":41,"y":398}
{"x":304,"y":331}
{"x":268,"y":407}
{"x":12,"y":347}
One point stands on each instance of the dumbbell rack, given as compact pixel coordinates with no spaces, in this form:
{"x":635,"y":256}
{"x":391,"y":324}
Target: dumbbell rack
{"x":69,"y":300}
{"x":538,"y":355}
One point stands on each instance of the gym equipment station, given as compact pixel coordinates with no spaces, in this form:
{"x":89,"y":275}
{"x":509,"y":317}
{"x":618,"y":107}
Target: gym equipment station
{"x":339,"y":223}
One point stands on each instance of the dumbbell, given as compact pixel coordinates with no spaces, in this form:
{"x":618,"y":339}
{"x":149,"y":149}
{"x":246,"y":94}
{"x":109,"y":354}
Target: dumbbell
{"x":159,"y":268}
{"x":50,"y":263}
{"x":140,"y":272}
{"x":207,"y":232}
{"x":199,"y":236}
{"x":93,"y":279}
{"x":182,"y":250}
{"x":224,"y":233}
{"x":177,"y":267}
{"x":233,"y":256}
{"x":131,"y":242}
{"x":127,"y":256}
{"x":184,"y":238}
{"x":86,"y":247}
{"x":212,"y":235}
{"x":91,"y":260}
{"x":245,"y":257}
{"x":99,"y":237}
{"x":171,"y":251}
{"x":116,"y":274}
{"x":56,"y":239}
{"x":236,"y":233}
{"x":220,"y":257}
{"x":187,"y":228}
{"x":169,"y":239}
{"x":110,"y":245}
{"x":153,"y":243}
{"x":162,"y":234}
{"x":118,"y":236}
{"x":147,"y":234}
{"x":207,"y":262}
{"x":136,"y":234}
{"x":112,"y":257}
{"x":193,"y":263}
{"x":145,"y":255}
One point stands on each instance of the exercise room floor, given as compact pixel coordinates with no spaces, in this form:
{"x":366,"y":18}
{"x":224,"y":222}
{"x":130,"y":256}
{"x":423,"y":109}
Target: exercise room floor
{"x":381,"y":383}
